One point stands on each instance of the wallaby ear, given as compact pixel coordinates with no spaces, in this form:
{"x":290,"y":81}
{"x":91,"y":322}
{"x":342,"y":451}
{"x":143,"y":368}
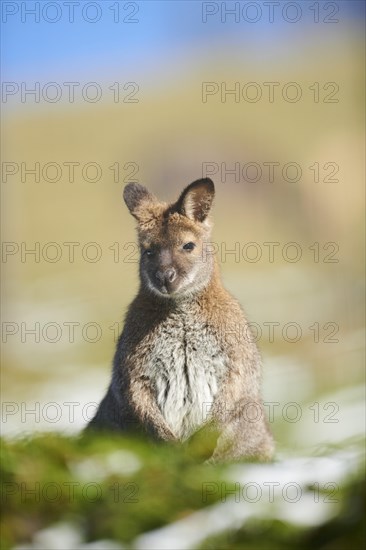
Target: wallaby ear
{"x":196,"y":199}
{"x":137,"y":197}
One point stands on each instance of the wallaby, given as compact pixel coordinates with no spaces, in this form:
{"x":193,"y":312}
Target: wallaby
{"x":181,"y":363}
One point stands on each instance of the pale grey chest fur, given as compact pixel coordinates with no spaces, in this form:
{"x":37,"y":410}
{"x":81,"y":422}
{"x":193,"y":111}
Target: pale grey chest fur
{"x":185,"y":366}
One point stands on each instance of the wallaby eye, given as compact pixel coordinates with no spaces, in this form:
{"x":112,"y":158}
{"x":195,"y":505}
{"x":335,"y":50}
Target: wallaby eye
{"x":149,"y":252}
{"x":189,"y":246}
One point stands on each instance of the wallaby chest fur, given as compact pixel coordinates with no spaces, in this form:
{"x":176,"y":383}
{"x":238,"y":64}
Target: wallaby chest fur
{"x":186,"y":366}
{"x":185,"y":357}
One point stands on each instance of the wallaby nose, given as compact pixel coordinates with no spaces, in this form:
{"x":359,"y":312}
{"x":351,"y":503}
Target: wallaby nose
{"x":170,"y":274}
{"x":166,"y":276}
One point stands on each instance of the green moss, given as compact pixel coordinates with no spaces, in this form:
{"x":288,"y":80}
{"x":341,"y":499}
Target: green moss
{"x":113,"y":487}
{"x":51,"y":478}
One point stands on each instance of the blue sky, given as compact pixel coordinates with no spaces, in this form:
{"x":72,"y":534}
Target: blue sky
{"x":167,"y":34}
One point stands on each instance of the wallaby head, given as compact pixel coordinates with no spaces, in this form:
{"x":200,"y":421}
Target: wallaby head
{"x":174,"y":252}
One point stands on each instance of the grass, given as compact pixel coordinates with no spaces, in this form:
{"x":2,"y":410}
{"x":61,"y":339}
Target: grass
{"x":117,"y":488}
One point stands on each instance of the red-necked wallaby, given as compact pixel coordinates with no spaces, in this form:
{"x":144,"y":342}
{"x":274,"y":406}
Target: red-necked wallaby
{"x":181,"y":362}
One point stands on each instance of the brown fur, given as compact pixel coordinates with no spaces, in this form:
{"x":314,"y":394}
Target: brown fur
{"x":181,"y":336}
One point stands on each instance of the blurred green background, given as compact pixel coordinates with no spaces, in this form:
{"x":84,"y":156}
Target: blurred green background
{"x":165,"y":140}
